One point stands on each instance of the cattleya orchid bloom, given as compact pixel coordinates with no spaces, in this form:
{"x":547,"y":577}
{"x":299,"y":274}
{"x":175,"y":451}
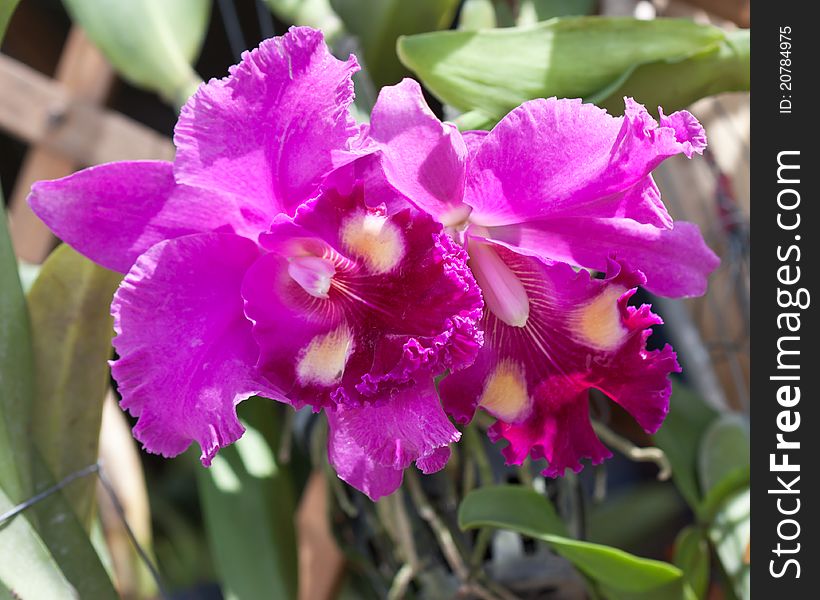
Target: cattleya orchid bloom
{"x":248,"y":272}
{"x":289,"y":253}
{"x":555,"y":183}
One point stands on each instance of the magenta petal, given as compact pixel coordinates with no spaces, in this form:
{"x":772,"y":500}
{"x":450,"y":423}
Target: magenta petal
{"x":561,"y":157}
{"x":357,"y":468}
{"x":391,"y":434}
{"x":112,"y":213}
{"x":677,"y":262}
{"x":422,"y":157}
{"x":473,"y":140}
{"x":562,"y":436}
{"x":186,"y":353}
{"x":273,"y":129}
{"x":579,"y":334}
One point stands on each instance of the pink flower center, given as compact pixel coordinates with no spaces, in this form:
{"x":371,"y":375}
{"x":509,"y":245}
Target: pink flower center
{"x":503,"y":291}
{"x":313,"y":273}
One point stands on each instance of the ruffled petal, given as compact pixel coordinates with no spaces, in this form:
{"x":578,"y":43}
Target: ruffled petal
{"x":534,"y":377}
{"x":677,"y":262}
{"x":409,"y":427}
{"x":422,"y":157}
{"x":399,"y":304}
{"x":112,"y":213}
{"x":186,"y":353}
{"x":273,"y":129}
{"x":562,"y":435}
{"x":358,"y":468}
{"x":562,"y":157}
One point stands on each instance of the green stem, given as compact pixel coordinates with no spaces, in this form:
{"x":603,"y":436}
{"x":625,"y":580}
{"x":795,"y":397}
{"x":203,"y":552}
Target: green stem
{"x":633,"y":452}
{"x":443,"y":535}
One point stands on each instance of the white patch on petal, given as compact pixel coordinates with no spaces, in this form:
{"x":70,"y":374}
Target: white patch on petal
{"x":505,"y":393}
{"x":375,"y":240}
{"x":598,"y":324}
{"x":324,"y":359}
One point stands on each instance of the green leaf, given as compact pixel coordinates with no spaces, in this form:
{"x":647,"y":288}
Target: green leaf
{"x":45,"y":545}
{"x":6,"y":11}
{"x":16,"y":375}
{"x":379,"y":23}
{"x":573,"y":57}
{"x":248,"y":503}
{"x":617,"y":574}
{"x":313,"y":13}
{"x":27,"y":569}
{"x":724,"y":448}
{"x":67,"y":538}
{"x":680,"y":436}
{"x":677,"y":84}
{"x":733,"y":482}
{"x":729,"y":534}
{"x":71,"y":338}
{"x":152,"y":43}
{"x":692,"y":556}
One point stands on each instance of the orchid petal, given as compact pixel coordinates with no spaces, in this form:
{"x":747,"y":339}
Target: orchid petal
{"x":677,"y":262}
{"x":550,"y":158}
{"x":112,"y":213}
{"x":422,"y":157}
{"x":409,"y":427}
{"x":186,"y":353}
{"x":273,"y":129}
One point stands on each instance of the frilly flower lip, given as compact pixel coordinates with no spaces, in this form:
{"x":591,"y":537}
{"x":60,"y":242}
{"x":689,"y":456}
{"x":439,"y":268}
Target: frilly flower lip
{"x":534,"y":374}
{"x":350,"y":305}
{"x":356,"y":311}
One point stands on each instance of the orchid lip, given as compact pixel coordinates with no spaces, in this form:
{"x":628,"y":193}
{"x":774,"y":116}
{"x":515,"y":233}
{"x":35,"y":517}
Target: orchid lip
{"x":504,"y":294}
{"x":313,"y":273}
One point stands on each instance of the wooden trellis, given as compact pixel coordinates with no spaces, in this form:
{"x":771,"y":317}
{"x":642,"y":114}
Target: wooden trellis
{"x":66,"y":126}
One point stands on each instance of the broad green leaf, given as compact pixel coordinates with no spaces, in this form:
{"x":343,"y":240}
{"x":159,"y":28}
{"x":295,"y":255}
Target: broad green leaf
{"x":729,"y":534}
{"x":66,"y":537}
{"x":16,"y":375}
{"x":152,"y":43}
{"x":732,"y":483}
{"x":680,"y":436}
{"x":677,"y":84}
{"x":379,"y":23}
{"x":693,"y":558}
{"x":518,"y":507}
{"x":313,"y":13}
{"x":6,"y":11}
{"x":248,"y":502}
{"x":618,"y":575}
{"x":32,"y":565}
{"x":572,"y":57}
{"x":723,"y":449}
{"x":71,"y":338}
{"x":27,"y":569}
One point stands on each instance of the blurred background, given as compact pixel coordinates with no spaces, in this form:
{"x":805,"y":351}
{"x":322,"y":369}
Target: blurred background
{"x":88,"y":82}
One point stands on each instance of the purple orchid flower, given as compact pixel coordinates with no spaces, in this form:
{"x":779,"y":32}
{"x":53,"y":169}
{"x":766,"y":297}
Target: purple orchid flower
{"x":555,"y":183}
{"x":251,"y":271}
